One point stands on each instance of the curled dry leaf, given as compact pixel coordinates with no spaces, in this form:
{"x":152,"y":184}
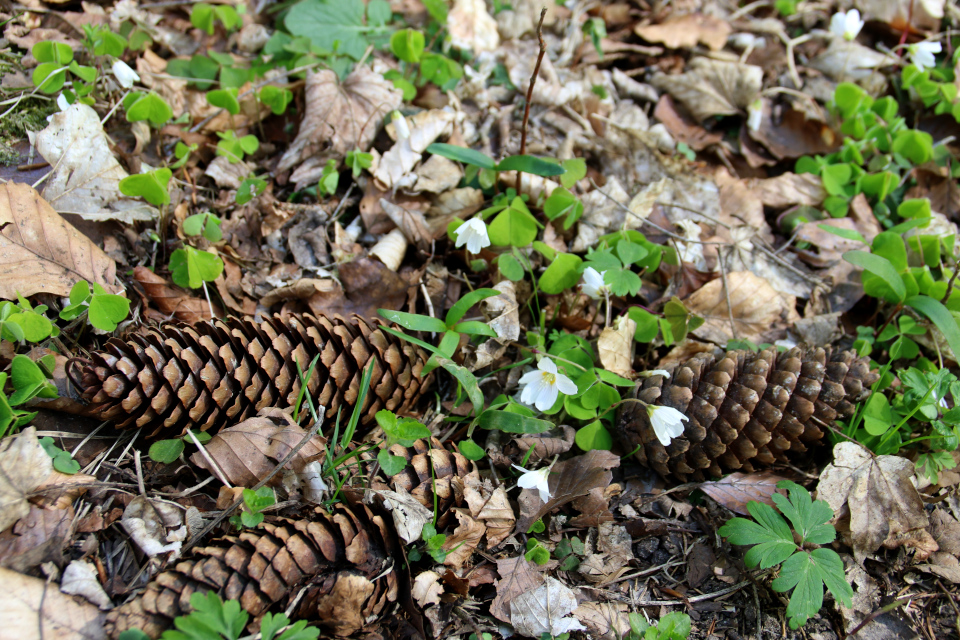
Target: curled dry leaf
{"x":409,"y":515}
{"x":604,"y":620}
{"x":471,"y":27}
{"x":758,"y":310}
{"x":33,"y":608}
{"x":502,"y":311}
{"x":36,"y":538}
{"x":156,"y":526}
{"x":24,"y":465}
{"x":547,"y":445}
{"x":875,"y":502}
{"x":685,"y":32}
{"x":427,"y":588}
{"x":490,"y":506}
{"x":368,"y":285}
{"x":737,"y":489}
{"x":544,"y":610}
{"x":340,"y":116}
{"x":86,"y":177}
{"x":848,"y":60}
{"x":608,"y":560}
{"x":517,"y":575}
{"x":713,"y":87}
{"x":248,"y":452}
{"x":80,"y":579}
{"x":789,"y":189}
{"x":464,"y":540}
{"x":397,"y":162}
{"x":42,"y":252}
{"x":615,"y":347}
{"x":171,"y":300}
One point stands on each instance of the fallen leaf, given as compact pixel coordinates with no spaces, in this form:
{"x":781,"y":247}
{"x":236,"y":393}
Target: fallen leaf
{"x":904,"y":15}
{"x":464,"y":540}
{"x":759,"y":311}
{"x":395,"y":165}
{"x":42,"y":252}
{"x":502,"y":312}
{"x":368,"y":286}
{"x":942,"y":564}
{"x":608,"y":560}
{"x":737,"y":489}
{"x":33,"y":609}
{"x":604,"y":620}
{"x":412,"y":224}
{"x":517,"y":575}
{"x":157,"y":527}
{"x":173,"y":301}
{"x":248,"y":452}
{"x":615,"y":347}
{"x":471,"y":27}
{"x":36,"y":538}
{"x":229,"y":175}
{"x":409,"y":515}
{"x":427,"y":588}
{"x":86,"y":177}
{"x":80,"y":579}
{"x":700,"y":560}
{"x":789,"y":189}
{"x":548,"y":444}
{"x":544,"y":610}
{"x":685,"y":32}
{"x":490,"y":506}
{"x":848,"y":60}
{"x":339,"y":117}
{"x":713,"y":87}
{"x":875,"y":502}
{"x":24,"y":465}
{"x":945,"y":530}
{"x":790,"y":134}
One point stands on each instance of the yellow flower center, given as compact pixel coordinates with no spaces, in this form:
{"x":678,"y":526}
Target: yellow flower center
{"x":549,"y":378}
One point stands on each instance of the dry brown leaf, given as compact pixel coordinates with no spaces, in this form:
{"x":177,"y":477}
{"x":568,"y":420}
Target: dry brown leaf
{"x":547,"y":445}
{"x":368,"y":286}
{"x":544,"y":610}
{"x":412,"y":223}
{"x":156,"y":526}
{"x":685,"y":32}
{"x":33,"y":609}
{"x":437,"y":175}
{"x":904,"y":15}
{"x":471,"y":27}
{"x":790,"y":134}
{"x":464,"y":540}
{"x":737,"y":489}
{"x":944,"y":565}
{"x":490,"y":506}
{"x":24,"y":465}
{"x":682,"y":127}
{"x":713,"y":87}
{"x":848,"y":60}
{"x":36,"y":538}
{"x":248,"y":452}
{"x":945,"y":530}
{"x":409,"y":515}
{"x":172,"y":301}
{"x":343,"y":608}
{"x":394,"y":167}
{"x":608,"y":560}
{"x":341,"y":116}
{"x":604,"y":620}
{"x":875,"y":502}
{"x":615,"y":347}
{"x":42,"y":252}
{"x":517,"y":575}
{"x":758,"y":310}
{"x":427,"y":588}
{"x":789,"y":189}
{"x":502,"y":311}
{"x":86,"y":177}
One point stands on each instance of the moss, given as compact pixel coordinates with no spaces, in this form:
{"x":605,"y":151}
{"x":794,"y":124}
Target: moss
{"x":30,"y":115}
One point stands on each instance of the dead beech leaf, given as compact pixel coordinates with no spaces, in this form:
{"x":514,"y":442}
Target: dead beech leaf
{"x":737,"y":489}
{"x":80,"y":579}
{"x":489,"y":506}
{"x":393,"y":170}
{"x":790,"y":134}
{"x":876,"y":496}
{"x":544,"y":610}
{"x":471,"y":27}
{"x":86,"y":176}
{"x":42,"y":252}
{"x":502,"y":311}
{"x":517,"y":575}
{"x":848,"y":60}
{"x":409,"y":515}
{"x":604,"y":620}
{"x":789,"y":189}
{"x":33,"y":609}
{"x":758,"y":310}
{"x":341,"y":116}
{"x":35,"y":538}
{"x":427,"y":588}
{"x":942,"y":564}
{"x":368,"y":285}
{"x":172,"y":301}
{"x":685,"y":32}
{"x":248,"y":452}
{"x":156,"y":526}
{"x":548,"y":444}
{"x":615,"y":347}
{"x":614,"y":549}
{"x":682,"y":127}
{"x":713,"y":87}
{"x":24,"y":465}
{"x":464,"y":540}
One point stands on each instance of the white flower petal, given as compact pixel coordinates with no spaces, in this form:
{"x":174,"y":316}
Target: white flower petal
{"x":62,"y":103}
{"x":531,"y":392}
{"x":472,"y":233}
{"x":529,"y":377}
{"x":566,"y":385}
{"x":593,"y":285}
{"x":546,"y":364}
{"x":124,"y":74}
{"x":667,"y":423}
{"x":547,"y":396}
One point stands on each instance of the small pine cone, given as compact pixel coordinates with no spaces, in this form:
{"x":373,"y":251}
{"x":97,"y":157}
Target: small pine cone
{"x":204,"y":377}
{"x":446,"y":479}
{"x":746,"y":410}
{"x":343,"y":562}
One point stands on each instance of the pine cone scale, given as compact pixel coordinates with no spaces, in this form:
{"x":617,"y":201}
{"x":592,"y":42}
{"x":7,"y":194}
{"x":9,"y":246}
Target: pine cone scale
{"x":744,"y":409}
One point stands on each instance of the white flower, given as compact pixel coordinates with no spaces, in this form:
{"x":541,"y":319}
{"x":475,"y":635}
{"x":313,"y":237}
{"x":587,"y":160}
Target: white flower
{"x":125,"y":75}
{"x":655,"y":372}
{"x":847,"y":24}
{"x":62,"y":102}
{"x":538,"y":480}
{"x":472,"y":233}
{"x":593,"y":284}
{"x":941,"y":401}
{"x":400,"y":126}
{"x":921,"y":54}
{"x":755,"y":114}
{"x":667,"y":423}
{"x":544,"y":385}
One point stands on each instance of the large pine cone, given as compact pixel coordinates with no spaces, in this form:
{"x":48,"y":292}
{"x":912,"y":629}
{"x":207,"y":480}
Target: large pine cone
{"x":206,"y":376}
{"x":343,"y":562}
{"x":745,"y":410}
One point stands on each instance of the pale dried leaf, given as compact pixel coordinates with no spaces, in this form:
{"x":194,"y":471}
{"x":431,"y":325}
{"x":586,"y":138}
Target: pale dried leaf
{"x":42,"y":252}
{"x":944,"y":565}
{"x":615,"y":347}
{"x":459,"y":202}
{"x":547,"y":445}
{"x":461,"y":545}
{"x":438,"y":174}
{"x":924,"y":15}
{"x":877,"y":495}
{"x":614,"y":549}
{"x":544,"y":610}
{"x":343,"y":608}
{"x":248,"y":452}
{"x":36,"y":538}
{"x":517,"y":575}
{"x":24,"y":465}
{"x":848,"y":60}
{"x":471,"y":27}
{"x":758,"y":310}
{"x":684,"y":32}
{"x":80,"y":579}
{"x":789,"y":189}
{"x":86,"y":177}
{"x":228,"y":175}
{"x":713,"y":87}
{"x":341,"y":116}
{"x":502,"y":311}
{"x":411,"y":222}
{"x":737,"y":489}
{"x":32,"y":609}
{"x":409,"y":515}
{"x":604,"y":620}
{"x":156,"y":526}
{"x":427,"y":588}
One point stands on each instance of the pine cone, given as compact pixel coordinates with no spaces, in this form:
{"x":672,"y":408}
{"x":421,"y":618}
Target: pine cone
{"x":204,"y":376}
{"x":746,"y":410}
{"x":343,"y":563}
{"x":446,"y":478}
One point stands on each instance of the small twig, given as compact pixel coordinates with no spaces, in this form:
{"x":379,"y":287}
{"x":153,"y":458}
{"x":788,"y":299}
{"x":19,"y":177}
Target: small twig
{"x":879,"y":612}
{"x":280,"y":465}
{"x":533,"y":80}
{"x":136,"y":462}
{"x":217,"y":471}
